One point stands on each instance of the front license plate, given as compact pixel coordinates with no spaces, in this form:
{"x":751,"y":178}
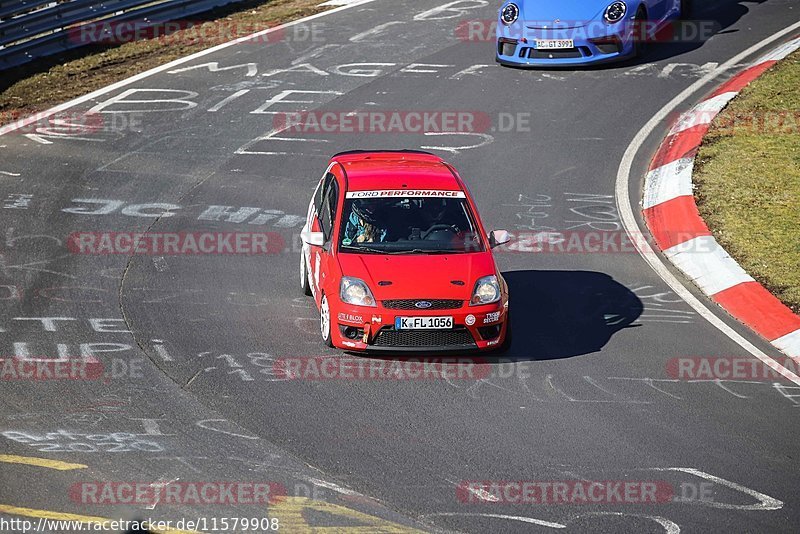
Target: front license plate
{"x":423,"y":323}
{"x":554,"y":44}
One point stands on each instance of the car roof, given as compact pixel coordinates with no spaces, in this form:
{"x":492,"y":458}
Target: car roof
{"x":377,"y":170}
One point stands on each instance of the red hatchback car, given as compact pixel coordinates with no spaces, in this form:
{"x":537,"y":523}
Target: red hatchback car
{"x":397,"y":259}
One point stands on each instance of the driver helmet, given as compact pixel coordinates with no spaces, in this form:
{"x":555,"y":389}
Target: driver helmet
{"x":366,"y":209}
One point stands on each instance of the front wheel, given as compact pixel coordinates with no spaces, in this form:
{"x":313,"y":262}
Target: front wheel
{"x":325,"y":321}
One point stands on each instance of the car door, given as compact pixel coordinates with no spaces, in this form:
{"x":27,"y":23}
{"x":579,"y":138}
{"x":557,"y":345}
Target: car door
{"x":326,"y":219}
{"x":311,"y":252}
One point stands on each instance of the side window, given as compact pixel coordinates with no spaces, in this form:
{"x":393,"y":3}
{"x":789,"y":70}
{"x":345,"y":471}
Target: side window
{"x":318,"y":194}
{"x":333,"y":198}
{"x":329,"y":206}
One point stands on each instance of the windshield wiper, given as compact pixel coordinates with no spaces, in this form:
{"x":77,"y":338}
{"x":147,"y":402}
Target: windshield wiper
{"x":365,"y":249}
{"x":423,"y":251}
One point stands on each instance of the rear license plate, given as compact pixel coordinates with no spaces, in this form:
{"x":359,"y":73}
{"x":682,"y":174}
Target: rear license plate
{"x":554,"y":44}
{"x":423,"y":323}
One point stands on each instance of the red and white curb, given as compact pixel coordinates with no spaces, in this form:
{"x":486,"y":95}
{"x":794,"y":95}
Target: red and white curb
{"x":671,"y":214}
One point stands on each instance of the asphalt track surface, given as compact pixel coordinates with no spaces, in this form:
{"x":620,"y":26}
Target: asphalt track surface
{"x":586,"y":397}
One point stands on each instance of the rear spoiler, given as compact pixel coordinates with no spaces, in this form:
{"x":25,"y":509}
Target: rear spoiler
{"x":351,"y":155}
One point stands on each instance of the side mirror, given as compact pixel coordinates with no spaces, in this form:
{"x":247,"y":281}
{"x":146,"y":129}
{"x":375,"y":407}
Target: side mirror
{"x":498,"y":237}
{"x":316,"y":239}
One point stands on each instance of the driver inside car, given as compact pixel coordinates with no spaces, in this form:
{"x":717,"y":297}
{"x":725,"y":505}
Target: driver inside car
{"x":362,"y":224}
{"x":432,"y":211}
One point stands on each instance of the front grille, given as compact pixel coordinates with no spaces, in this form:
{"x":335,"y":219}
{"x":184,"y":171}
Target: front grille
{"x":555,"y":53}
{"x":436,"y":304}
{"x":458,"y":337}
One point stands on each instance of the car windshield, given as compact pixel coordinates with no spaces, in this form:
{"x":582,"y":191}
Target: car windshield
{"x":403,"y":225}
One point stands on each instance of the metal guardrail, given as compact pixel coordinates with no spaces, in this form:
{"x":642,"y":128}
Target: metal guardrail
{"x":38,"y":28}
{"x":8,"y":9}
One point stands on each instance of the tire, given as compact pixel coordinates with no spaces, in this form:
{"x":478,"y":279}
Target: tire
{"x":639,"y":42}
{"x":305,"y":286}
{"x":325,"y":321}
{"x":686,"y":9}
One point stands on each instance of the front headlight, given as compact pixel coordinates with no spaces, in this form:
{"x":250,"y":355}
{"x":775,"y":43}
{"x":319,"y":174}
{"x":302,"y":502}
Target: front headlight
{"x":355,"y":291}
{"x":487,"y":290}
{"x":509,"y":14}
{"x":615,"y":11}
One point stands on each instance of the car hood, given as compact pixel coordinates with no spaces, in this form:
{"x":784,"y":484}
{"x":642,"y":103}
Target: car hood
{"x":419,"y":276}
{"x":570,"y":13}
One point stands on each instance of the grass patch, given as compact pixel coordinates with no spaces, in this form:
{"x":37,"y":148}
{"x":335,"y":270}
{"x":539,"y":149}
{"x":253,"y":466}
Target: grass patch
{"x":50,"y":81}
{"x":747,"y":180}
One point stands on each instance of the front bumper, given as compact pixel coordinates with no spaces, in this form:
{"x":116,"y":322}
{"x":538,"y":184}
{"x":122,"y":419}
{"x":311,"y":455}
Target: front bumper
{"x":593,"y":44}
{"x":475,"y":328}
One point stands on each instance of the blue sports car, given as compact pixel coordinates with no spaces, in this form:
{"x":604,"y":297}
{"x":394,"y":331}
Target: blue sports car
{"x":580,"y":32}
